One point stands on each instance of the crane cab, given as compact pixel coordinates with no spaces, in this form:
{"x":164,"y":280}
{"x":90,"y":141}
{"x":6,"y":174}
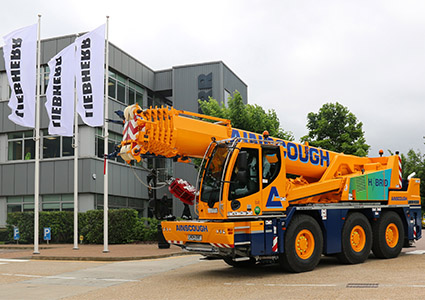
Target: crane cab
{"x":241,"y":179}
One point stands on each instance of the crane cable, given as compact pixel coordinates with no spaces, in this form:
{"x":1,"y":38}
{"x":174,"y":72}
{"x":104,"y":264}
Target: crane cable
{"x":146,"y":185}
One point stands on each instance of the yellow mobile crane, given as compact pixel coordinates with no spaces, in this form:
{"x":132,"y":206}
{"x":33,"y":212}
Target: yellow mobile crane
{"x":266,"y":199}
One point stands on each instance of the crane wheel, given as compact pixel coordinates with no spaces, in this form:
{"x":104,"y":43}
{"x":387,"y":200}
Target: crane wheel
{"x":303,"y":245}
{"x":356,"y":239}
{"x":388,"y":235}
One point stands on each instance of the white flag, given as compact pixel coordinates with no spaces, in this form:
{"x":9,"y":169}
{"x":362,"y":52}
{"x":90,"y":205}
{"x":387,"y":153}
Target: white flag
{"x":60,"y":92}
{"x":20,"y":60}
{"x":90,"y":69}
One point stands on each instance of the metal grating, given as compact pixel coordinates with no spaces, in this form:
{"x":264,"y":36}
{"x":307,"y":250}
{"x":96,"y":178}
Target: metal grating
{"x":360,"y":183}
{"x":363,"y":285}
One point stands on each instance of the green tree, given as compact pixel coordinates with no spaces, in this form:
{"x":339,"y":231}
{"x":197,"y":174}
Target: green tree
{"x":335,"y":128}
{"x":246,"y":116}
{"x":414,"y":162}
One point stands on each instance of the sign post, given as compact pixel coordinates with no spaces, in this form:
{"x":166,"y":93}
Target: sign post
{"x":16,"y":234}
{"x":47,"y":234}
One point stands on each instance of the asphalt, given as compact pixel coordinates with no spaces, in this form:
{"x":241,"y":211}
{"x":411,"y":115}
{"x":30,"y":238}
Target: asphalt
{"x":89,"y":252}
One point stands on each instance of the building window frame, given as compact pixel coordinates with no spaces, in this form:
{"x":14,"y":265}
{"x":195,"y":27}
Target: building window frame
{"x":65,"y":147}
{"x":124,"y":90}
{"x":20,"y":146}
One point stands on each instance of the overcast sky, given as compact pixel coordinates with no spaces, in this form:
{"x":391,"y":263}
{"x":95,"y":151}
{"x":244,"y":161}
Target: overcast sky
{"x":293,"y":55}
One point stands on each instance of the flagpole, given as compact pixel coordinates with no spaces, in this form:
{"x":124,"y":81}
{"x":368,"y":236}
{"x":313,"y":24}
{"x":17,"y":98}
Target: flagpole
{"x":105,"y":126}
{"x":76,"y":143}
{"x":37,"y":146}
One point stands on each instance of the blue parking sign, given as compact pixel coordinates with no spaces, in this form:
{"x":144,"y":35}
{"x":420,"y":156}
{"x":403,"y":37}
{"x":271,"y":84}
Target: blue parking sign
{"x":47,"y":233}
{"x":16,"y":235}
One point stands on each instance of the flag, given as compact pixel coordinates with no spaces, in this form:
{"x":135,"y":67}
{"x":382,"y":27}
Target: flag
{"x":60,"y":92}
{"x":20,"y":51}
{"x":89,"y":74}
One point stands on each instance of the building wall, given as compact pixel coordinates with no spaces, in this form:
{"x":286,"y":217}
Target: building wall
{"x":193,"y":82}
{"x":178,"y":85}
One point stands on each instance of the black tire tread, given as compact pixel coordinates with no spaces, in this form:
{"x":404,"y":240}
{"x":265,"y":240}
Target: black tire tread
{"x":289,"y":260}
{"x":380,"y":247}
{"x":348,"y":255}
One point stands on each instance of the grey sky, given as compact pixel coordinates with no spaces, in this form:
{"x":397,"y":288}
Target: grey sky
{"x":294,"y":55}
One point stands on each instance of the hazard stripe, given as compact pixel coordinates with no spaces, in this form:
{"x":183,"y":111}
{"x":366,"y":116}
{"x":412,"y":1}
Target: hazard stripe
{"x":274,"y":248}
{"x":219,"y":245}
{"x":175,"y":242}
{"x":130,"y":130}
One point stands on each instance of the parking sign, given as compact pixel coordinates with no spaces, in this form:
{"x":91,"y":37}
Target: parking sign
{"x":16,"y":234}
{"x":47,"y":234}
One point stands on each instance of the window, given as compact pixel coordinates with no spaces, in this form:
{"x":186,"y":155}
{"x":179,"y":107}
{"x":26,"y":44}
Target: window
{"x":56,"y":146}
{"x":5,"y":90}
{"x":252,"y":183}
{"x":164,"y":168}
{"x":124,"y":90}
{"x":20,"y":203}
{"x":113,"y":140}
{"x":59,"y":202}
{"x":271,"y":164}
{"x":44,"y":79}
{"x":226,"y":97}
{"x":117,"y":202}
{"x":121,"y":92}
{"x":21,"y":146}
{"x":112,"y":88}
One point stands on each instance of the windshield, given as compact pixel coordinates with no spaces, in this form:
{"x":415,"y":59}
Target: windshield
{"x":211,"y":183}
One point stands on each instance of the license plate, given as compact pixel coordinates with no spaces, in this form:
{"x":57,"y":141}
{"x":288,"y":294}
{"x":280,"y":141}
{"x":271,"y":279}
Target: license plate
{"x":194,"y":237}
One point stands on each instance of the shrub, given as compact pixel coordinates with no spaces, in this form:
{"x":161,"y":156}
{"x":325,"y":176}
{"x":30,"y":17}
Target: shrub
{"x":25,"y":222}
{"x":124,"y":226}
{"x":148,"y":229}
{"x":4,"y":235}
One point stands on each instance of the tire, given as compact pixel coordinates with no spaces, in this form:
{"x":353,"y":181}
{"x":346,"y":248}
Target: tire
{"x":303,"y":245}
{"x":240,"y":264}
{"x":388,"y":235}
{"x":356,"y":239}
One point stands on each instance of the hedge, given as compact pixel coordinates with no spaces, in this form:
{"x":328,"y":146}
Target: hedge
{"x":124,"y":226}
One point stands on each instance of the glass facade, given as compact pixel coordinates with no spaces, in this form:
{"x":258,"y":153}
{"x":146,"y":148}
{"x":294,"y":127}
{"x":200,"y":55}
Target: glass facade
{"x":60,"y":202}
{"x":124,"y":90}
{"x":56,"y":146}
{"x":21,"y":146}
{"x":113,"y":140}
{"x":116,"y":202}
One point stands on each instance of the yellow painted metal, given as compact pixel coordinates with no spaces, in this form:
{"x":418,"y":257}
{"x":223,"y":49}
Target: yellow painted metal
{"x":169,"y":132}
{"x":391,"y":235}
{"x":210,"y":232}
{"x":357,"y":238}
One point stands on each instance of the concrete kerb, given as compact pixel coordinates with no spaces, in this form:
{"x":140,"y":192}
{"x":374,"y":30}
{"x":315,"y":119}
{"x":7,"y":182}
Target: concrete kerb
{"x":99,"y":258}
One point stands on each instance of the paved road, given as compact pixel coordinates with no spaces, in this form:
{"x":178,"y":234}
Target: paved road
{"x":188,"y":277}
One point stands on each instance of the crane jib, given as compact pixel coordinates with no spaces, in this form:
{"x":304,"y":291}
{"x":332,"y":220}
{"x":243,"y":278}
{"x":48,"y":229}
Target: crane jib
{"x":292,"y":151}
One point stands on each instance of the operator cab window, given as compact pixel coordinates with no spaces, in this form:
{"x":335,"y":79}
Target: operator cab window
{"x":239,"y":190}
{"x":271,"y":164}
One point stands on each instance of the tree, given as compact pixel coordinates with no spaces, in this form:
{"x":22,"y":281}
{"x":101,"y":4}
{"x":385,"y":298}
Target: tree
{"x":414,"y":162}
{"x":335,"y":128}
{"x":246,"y":116}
